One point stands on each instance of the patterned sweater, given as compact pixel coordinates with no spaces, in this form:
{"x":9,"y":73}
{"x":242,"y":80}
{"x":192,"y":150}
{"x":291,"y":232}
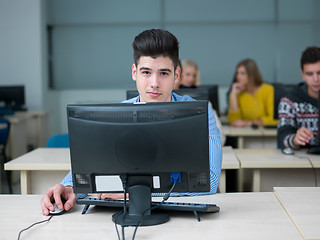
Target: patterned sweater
{"x":297,"y":110}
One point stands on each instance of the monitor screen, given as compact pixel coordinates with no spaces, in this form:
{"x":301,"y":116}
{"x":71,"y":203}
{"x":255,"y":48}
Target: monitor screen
{"x":147,"y":144}
{"x":12,"y":97}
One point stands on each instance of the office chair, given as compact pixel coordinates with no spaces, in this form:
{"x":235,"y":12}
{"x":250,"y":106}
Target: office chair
{"x":58,"y":141}
{"x":4,"y":135}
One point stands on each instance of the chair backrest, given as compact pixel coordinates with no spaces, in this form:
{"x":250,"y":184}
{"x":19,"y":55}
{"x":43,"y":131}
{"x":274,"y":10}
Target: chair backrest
{"x":4,"y":131}
{"x":58,"y":141}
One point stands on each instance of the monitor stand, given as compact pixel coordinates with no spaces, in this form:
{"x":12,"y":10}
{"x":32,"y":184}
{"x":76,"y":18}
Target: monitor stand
{"x":139,"y":209}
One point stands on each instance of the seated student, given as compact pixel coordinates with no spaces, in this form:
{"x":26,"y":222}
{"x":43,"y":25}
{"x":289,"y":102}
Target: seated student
{"x":251,"y":102}
{"x":156,"y":56}
{"x":190,"y":76}
{"x":298,"y":112}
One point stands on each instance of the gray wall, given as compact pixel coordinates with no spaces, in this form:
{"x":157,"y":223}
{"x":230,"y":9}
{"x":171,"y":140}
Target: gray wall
{"x":216,"y":34}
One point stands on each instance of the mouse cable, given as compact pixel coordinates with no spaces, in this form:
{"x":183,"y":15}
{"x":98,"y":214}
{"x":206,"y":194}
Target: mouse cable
{"x":165,"y":198}
{"x":313,"y":168}
{"x":47,"y":220}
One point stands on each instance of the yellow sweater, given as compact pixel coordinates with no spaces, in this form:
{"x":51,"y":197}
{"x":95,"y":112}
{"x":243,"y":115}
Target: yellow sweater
{"x":255,"y":106}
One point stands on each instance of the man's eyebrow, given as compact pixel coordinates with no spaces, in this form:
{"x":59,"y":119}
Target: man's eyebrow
{"x":165,"y":70}
{"x":144,"y":68}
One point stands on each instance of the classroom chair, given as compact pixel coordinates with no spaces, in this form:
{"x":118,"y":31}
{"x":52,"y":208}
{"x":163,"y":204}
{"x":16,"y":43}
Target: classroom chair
{"x":58,"y":141}
{"x":4,"y":136}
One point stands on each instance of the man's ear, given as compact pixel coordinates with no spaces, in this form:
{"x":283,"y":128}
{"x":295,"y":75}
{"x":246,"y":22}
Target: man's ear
{"x":302,"y":75}
{"x":177,"y":74}
{"x":134,"y":72}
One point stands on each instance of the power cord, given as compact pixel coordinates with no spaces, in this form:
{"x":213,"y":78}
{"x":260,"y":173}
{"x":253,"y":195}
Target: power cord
{"x":312,"y":166}
{"x":47,"y":220}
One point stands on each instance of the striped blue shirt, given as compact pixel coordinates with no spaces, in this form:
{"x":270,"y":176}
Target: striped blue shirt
{"x":215,"y":149}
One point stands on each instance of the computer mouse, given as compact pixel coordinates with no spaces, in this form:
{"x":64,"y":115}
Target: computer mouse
{"x":254,"y":126}
{"x":57,"y":211}
{"x":287,"y":151}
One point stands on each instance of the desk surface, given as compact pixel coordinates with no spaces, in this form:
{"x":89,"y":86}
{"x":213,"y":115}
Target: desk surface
{"x":59,"y":159}
{"x":242,"y":216}
{"x":229,"y":159}
{"x":248,"y":132}
{"x":42,"y":159}
{"x":302,"y":206}
{"x":274,"y":158}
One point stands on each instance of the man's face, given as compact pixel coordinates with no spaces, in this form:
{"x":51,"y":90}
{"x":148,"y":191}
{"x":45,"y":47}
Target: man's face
{"x":311,"y":75}
{"x":155,"y":78}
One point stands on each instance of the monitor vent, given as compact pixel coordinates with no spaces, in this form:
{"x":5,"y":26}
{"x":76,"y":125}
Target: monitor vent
{"x":163,"y":115}
{"x":82,"y":180}
{"x":101,"y":116}
{"x":143,"y":115}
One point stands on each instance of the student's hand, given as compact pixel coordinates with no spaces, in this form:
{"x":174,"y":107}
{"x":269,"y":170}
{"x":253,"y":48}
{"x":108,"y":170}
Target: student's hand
{"x":257,"y":122}
{"x":302,"y":137}
{"x":54,"y":194}
{"x":241,"y":123}
{"x":111,"y":195}
{"x":237,"y":88}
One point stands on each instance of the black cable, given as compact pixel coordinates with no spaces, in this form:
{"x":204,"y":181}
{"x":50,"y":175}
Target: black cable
{"x":115,"y":223}
{"x":165,"y":198}
{"x":312,"y":166}
{"x":47,"y":220}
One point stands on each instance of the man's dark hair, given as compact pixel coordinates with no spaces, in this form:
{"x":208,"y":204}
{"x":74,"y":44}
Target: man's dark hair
{"x":310,"y":55}
{"x":154,"y":43}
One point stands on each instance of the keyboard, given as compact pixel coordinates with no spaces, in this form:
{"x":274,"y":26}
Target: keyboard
{"x":171,"y":206}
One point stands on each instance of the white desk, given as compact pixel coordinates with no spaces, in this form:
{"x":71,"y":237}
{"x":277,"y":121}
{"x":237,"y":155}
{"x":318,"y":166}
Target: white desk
{"x":278,"y":169}
{"x":252,"y":138}
{"x":44,"y":167}
{"x":302,"y":206}
{"x":41,"y":168}
{"x":242,"y":216}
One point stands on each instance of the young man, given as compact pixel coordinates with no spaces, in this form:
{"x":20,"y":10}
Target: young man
{"x":298,"y":112}
{"x":155,"y":71}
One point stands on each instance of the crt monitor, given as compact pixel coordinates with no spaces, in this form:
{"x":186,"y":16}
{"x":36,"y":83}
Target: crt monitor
{"x":198,"y":94}
{"x":147,"y":144}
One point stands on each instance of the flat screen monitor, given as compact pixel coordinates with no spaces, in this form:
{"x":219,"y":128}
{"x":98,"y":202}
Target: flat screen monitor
{"x":12,"y":97}
{"x":198,"y":94}
{"x":203,"y":92}
{"x":213,"y":95}
{"x":144,"y":143}
{"x":280,"y":91}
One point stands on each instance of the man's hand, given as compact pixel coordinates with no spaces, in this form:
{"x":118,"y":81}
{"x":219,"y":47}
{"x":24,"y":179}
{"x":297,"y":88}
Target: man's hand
{"x":54,"y":194}
{"x":111,"y":195}
{"x":302,"y":137}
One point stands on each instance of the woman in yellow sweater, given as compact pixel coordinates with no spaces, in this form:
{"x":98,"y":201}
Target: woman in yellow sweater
{"x":251,"y":102}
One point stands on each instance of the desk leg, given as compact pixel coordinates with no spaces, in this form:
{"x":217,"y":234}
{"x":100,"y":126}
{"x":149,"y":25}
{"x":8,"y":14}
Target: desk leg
{"x":222,"y":182}
{"x":240,"y":142}
{"x":24,"y":181}
{"x":256,"y":180}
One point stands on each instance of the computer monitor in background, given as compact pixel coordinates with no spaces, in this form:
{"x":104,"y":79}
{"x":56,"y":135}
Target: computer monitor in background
{"x":213,"y":96}
{"x":280,"y":90}
{"x":12,"y":98}
{"x":146,"y":144}
{"x":198,"y":94}
{"x":203,"y":92}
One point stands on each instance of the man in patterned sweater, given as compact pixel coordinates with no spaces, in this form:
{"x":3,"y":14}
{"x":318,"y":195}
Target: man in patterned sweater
{"x":298,"y":112}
